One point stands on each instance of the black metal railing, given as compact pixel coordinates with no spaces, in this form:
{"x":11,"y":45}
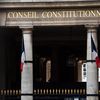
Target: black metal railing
{"x":51,"y":92}
{"x":48,"y":94}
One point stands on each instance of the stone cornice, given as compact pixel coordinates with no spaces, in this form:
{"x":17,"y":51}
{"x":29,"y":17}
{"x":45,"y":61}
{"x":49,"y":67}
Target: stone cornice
{"x":68,"y":4}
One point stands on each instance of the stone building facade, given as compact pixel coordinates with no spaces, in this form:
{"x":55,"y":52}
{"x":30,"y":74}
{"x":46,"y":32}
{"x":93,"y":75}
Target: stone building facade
{"x":58,"y":31}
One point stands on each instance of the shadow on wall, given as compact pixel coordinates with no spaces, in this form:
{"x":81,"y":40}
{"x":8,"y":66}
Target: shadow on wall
{"x":10,"y":45}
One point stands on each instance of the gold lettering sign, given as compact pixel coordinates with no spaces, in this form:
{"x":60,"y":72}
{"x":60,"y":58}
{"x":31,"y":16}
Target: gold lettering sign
{"x":54,"y":14}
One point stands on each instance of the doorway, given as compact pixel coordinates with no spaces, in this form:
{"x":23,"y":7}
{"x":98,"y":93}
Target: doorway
{"x":63,"y":47}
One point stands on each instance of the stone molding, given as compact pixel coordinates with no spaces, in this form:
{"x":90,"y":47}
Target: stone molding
{"x":53,"y":4}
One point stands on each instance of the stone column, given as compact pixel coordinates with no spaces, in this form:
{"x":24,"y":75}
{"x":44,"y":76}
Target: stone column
{"x":92,"y":73}
{"x":27,"y":72}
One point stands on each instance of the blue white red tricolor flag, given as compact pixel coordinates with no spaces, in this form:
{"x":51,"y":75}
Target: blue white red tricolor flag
{"x":22,"y":55}
{"x":94,"y":52}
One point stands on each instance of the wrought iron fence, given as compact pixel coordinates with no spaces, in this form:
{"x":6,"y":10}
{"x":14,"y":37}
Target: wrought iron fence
{"x":48,"y":94}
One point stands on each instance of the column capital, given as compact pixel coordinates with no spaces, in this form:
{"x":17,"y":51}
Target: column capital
{"x":91,"y":26}
{"x":26,"y":30}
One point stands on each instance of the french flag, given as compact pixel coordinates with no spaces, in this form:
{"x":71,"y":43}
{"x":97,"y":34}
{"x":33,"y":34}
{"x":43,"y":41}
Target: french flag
{"x":94,"y":53}
{"x":22,"y":55}
{"x":94,"y":49}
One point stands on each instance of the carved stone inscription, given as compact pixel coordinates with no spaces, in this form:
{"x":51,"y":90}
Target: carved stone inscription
{"x":54,"y":14}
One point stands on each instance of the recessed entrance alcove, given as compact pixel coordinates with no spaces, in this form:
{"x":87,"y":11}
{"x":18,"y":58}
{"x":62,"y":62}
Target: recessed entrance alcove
{"x":64,"y":46}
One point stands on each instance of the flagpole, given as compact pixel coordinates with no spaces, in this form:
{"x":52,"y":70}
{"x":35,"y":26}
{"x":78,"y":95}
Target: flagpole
{"x":92,"y":73}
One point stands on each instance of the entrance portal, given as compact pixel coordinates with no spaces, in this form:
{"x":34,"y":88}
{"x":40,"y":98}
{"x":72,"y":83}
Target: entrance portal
{"x":60,"y":48}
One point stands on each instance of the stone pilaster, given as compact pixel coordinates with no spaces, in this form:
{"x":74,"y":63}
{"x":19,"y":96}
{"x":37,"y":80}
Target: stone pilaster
{"x":92,"y":53}
{"x":27,"y":72}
